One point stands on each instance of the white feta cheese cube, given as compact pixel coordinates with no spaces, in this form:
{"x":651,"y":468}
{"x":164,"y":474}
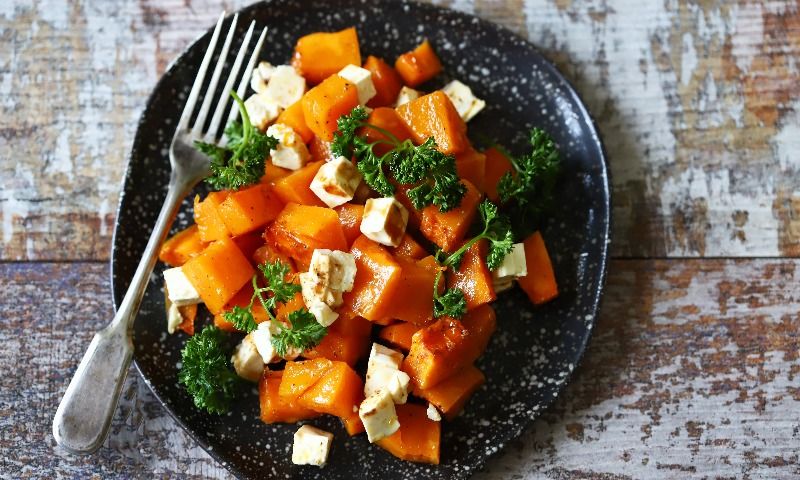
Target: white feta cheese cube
{"x":261,"y":338}
{"x":463,"y":99}
{"x":265,"y":69}
{"x":291,"y":152}
{"x":311,"y":446}
{"x":384,"y":221}
{"x":391,"y":380}
{"x":406,"y":95}
{"x":502,"y":284}
{"x":433,"y":413}
{"x":336,"y":268}
{"x":261,"y":110}
{"x":381,"y":356}
{"x":317,"y":290}
{"x":247,"y":361}
{"x":378,"y":415}
{"x":323,"y":313}
{"x":179,"y":289}
{"x":513,"y":265}
{"x":336,"y":182}
{"x":285,"y":87}
{"x":174,"y":317}
{"x":362,"y":79}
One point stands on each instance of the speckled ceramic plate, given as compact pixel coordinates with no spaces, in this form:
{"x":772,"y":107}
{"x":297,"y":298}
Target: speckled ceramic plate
{"x":534,"y":351}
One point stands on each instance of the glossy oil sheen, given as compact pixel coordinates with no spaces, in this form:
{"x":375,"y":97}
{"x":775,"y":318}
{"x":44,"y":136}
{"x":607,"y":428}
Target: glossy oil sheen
{"x":533,"y":352}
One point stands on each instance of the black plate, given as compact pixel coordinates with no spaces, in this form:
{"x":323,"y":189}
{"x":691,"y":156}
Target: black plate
{"x":533,"y":352}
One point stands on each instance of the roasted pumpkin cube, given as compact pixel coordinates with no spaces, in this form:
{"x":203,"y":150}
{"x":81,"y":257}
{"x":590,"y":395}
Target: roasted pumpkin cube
{"x":412,"y":300}
{"x":249,"y":209}
{"x":301,"y":229}
{"x":386,"y":80}
{"x":387,"y":119}
{"x":182,"y":246}
{"x":434,"y":115}
{"x":350,"y":215}
{"x":471,"y":166}
{"x":325,"y":103}
{"x":447,"y":229}
{"x":293,"y":116}
{"x":497,"y":165}
{"x":450,"y":395}
{"x":296,"y":186}
{"x":218,"y":273}
{"x":299,"y":377}
{"x":208,"y":218}
{"x":540,"y":282}
{"x":377,"y":278}
{"x":419,"y":437}
{"x":399,"y":334}
{"x":319,"y":55}
{"x":473,"y":276}
{"x":274,"y":408}
{"x":419,"y":65}
{"x":337,"y":393}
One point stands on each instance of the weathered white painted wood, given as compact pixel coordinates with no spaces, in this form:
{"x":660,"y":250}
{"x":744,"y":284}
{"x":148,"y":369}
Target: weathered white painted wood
{"x":698,"y":105}
{"x":692,"y":372}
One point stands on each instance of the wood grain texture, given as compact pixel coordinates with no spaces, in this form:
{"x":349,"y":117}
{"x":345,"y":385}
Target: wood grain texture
{"x":698,"y":103}
{"x":692,"y":372}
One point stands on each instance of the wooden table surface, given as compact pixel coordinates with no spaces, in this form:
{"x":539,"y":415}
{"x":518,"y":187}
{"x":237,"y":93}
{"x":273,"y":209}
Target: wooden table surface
{"x":694,"y":368}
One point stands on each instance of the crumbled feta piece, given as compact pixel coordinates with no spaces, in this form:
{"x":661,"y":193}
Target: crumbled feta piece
{"x":406,"y":95}
{"x":362,"y":79}
{"x":378,"y":415}
{"x":384,"y":221}
{"x":260,"y":77}
{"x":339,"y":268}
{"x":323,"y":313}
{"x":317,"y":290}
{"x":179,"y":289}
{"x":247,"y":360}
{"x":433,"y":413}
{"x":381,"y":356}
{"x":174,"y":317}
{"x":261,"y":110}
{"x":391,"y":380}
{"x":311,"y":446}
{"x":291,"y":152}
{"x":262,"y":339}
{"x":513,"y":265}
{"x":383,"y":373}
{"x":336,"y":182}
{"x":285,"y":87}
{"x":466,"y":103}
{"x":502,"y":284}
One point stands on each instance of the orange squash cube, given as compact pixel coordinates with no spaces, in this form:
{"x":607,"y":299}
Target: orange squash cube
{"x":443,"y":348}
{"x":418,"y":438}
{"x":497,"y":165}
{"x":350,"y":215}
{"x":218,"y":273}
{"x":249,"y":209}
{"x":295,"y":187}
{"x":387,"y":119}
{"x":386,"y":80}
{"x":274,"y":408}
{"x":412,"y":300}
{"x":419,"y":65}
{"x":320,"y":150}
{"x":337,"y":393}
{"x":301,"y":229}
{"x":268,"y":254}
{"x":399,"y":334}
{"x":471,"y":166}
{"x":540,"y":282}
{"x":299,"y":377}
{"x":273,"y":173}
{"x":319,"y":55}
{"x":450,"y":395}
{"x":208,"y":218}
{"x":447,"y":229}
{"x":473,"y":277}
{"x":377,"y":278}
{"x":348,"y":340}
{"x":409,"y":248}
{"x":294,"y":117}
{"x":434,"y":115}
{"x":325,"y":103}
{"x":182,"y":246}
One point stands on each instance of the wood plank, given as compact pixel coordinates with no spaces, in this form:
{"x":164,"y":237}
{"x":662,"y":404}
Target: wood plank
{"x":692,"y":370}
{"x":697,"y":105}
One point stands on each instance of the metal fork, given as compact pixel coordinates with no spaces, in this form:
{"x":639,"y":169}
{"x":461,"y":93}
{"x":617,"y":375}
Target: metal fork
{"x":84,"y":415}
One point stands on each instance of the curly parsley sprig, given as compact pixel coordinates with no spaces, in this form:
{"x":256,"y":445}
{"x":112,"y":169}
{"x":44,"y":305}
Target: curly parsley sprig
{"x":206,"y":372}
{"x":432,"y":173}
{"x":532,"y":185}
{"x":304,"y":331}
{"x":241,"y":161}
{"x":497,"y":231}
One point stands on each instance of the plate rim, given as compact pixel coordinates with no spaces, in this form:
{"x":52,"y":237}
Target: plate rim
{"x":597,"y":294}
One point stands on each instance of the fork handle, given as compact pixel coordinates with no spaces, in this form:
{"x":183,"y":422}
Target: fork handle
{"x":84,"y":415}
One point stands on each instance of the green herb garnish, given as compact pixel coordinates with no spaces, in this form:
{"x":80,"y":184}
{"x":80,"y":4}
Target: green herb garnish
{"x":241,"y":161}
{"x":432,"y":173}
{"x":206,"y":372}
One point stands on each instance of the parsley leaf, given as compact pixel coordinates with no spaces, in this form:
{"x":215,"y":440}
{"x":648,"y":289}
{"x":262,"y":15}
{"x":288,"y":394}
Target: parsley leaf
{"x":206,"y":372}
{"x":305,"y":333}
{"x":533,"y":183}
{"x":282,"y":291}
{"x":432,"y":173}
{"x":497,"y":231}
{"x":242,"y":318}
{"x":241,"y":162}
